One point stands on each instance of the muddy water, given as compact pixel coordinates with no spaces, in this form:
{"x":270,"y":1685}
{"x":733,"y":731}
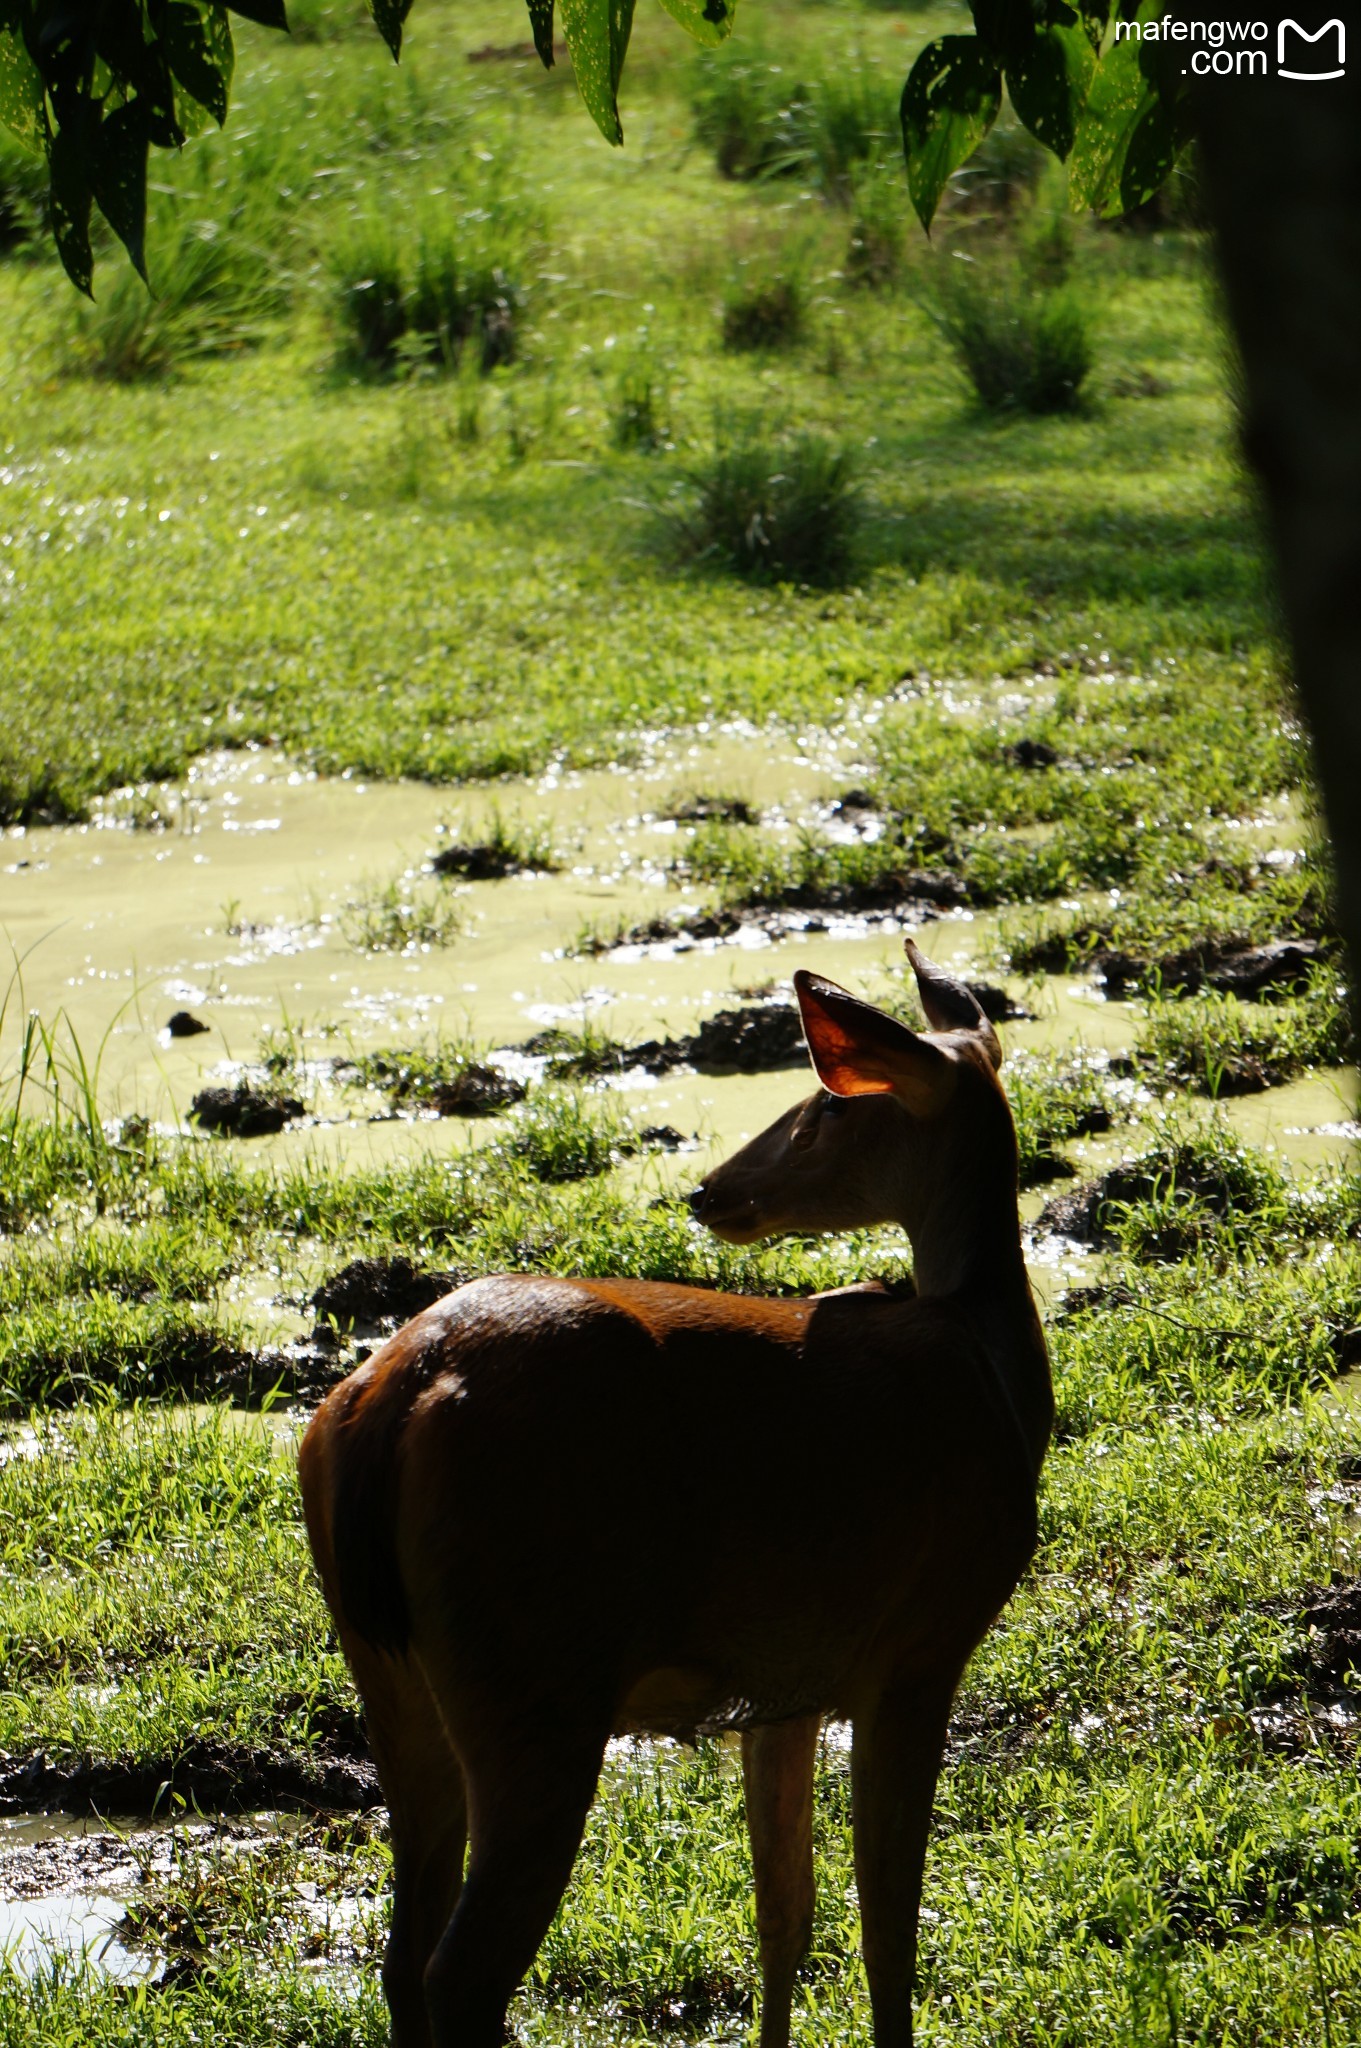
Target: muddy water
{"x":237,"y":911}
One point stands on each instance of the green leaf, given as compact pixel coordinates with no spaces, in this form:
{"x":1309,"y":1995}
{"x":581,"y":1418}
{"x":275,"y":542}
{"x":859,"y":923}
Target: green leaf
{"x":268,"y":13}
{"x":541,"y":27}
{"x":1049,"y":86}
{"x":119,"y":181}
{"x":949,"y":103}
{"x":21,"y":92}
{"x":198,"y":42}
{"x":70,"y":199}
{"x":390,"y":17}
{"x":1008,"y":27}
{"x":709,"y":21}
{"x":1157,"y":139}
{"x":1095,"y":14}
{"x":597,"y":33}
{"x":1130,"y":130}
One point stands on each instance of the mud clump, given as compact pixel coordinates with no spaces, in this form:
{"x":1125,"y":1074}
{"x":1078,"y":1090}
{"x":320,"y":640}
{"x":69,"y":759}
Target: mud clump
{"x":1280,"y":968}
{"x":1028,"y":753}
{"x":714,"y":810}
{"x":808,"y":907}
{"x":751,"y":1041}
{"x":902,"y":889}
{"x":1000,"y":1008}
{"x":476,"y":1091}
{"x":1085,"y":1213}
{"x":661,"y":1138}
{"x":468,"y":1088}
{"x":748,"y":1041}
{"x":244,"y":1111}
{"x":1333,"y":1616}
{"x":223,"y":1777}
{"x":487,"y":860}
{"x":380,"y":1292}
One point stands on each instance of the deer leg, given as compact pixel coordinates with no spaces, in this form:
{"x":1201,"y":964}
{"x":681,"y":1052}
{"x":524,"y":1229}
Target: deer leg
{"x":527,"y":1807}
{"x":423,"y":1785}
{"x":895,"y":1759}
{"x":777,"y":1774}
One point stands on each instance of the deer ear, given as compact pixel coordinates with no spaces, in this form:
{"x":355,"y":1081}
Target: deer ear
{"x":858,"y":1050}
{"x":951,"y":1005}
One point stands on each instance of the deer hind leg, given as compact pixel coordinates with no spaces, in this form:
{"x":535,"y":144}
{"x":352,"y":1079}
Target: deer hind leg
{"x":895,"y":1760}
{"x":777,"y":1774}
{"x":527,"y":1806}
{"x":423,"y":1785}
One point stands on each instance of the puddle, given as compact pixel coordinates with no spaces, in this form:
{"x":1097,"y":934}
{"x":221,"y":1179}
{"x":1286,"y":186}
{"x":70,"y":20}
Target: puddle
{"x":237,"y":914}
{"x":66,"y":1885}
{"x":69,"y":1924}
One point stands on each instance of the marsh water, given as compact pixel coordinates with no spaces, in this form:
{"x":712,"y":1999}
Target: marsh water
{"x":239,"y":908}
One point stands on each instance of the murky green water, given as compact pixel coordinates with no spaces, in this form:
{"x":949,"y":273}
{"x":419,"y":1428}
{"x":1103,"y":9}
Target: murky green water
{"x":237,"y":912}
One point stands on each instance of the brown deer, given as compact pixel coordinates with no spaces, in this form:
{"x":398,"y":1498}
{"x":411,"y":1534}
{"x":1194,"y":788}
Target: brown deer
{"x":548,"y":1511}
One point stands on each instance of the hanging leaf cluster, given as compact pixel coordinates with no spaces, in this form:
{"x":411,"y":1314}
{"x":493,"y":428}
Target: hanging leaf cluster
{"x":95,"y":85}
{"x":1099,"y":97}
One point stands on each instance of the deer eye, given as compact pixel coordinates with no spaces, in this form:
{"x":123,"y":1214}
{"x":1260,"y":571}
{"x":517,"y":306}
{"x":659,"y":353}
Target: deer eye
{"x":806,"y":1129}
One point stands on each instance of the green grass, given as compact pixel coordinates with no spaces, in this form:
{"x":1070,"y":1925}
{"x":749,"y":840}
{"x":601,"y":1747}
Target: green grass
{"x":989,"y":553}
{"x":1221,"y":1045}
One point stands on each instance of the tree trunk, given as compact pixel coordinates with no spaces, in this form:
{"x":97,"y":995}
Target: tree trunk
{"x":1282,"y":163}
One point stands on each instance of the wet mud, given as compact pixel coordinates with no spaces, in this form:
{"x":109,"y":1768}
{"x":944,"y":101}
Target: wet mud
{"x":212,"y":1776}
{"x":375,"y":1296}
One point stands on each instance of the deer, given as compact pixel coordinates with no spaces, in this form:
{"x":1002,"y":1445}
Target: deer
{"x":550,"y":1511}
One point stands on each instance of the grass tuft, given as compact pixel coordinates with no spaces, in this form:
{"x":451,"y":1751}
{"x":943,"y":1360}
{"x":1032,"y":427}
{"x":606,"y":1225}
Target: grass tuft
{"x":770,"y":510}
{"x":427,"y":285}
{"x":764,"y":313}
{"x":400,"y":917}
{"x":215,"y":288}
{"x":1024,"y":343}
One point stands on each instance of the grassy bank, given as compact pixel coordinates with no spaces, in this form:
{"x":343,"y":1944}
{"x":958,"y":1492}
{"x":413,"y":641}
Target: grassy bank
{"x":414,"y":564}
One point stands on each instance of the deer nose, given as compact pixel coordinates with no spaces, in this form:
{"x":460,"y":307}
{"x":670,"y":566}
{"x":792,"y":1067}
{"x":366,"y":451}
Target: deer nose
{"x":696,"y":1199}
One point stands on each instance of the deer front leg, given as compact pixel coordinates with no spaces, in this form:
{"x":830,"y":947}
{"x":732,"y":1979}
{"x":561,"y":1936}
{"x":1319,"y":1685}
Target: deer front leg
{"x":777,"y":1774}
{"x":895,"y":1758}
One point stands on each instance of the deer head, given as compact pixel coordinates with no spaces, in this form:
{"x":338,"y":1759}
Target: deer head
{"x":909,"y":1128}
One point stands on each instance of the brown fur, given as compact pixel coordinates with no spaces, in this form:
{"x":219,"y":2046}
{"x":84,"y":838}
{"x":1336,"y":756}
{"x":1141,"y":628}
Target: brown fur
{"x":551,"y":1509}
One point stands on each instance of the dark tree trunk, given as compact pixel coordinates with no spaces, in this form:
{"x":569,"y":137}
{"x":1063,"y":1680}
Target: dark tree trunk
{"x":1282,"y":163}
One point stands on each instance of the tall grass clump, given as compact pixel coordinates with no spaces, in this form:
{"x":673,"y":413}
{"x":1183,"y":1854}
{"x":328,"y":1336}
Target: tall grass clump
{"x":1002,"y":174}
{"x":215,"y":287}
{"x":764,"y":312}
{"x":1020,"y":330}
{"x":771,"y":509}
{"x":876,"y":248}
{"x":640,"y":409}
{"x":327,"y":21}
{"x":427,"y":286}
{"x":23,"y":195}
{"x":738,"y":102}
{"x":762,"y":120}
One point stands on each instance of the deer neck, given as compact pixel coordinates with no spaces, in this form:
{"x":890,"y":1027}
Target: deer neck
{"x":966,"y":1248}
